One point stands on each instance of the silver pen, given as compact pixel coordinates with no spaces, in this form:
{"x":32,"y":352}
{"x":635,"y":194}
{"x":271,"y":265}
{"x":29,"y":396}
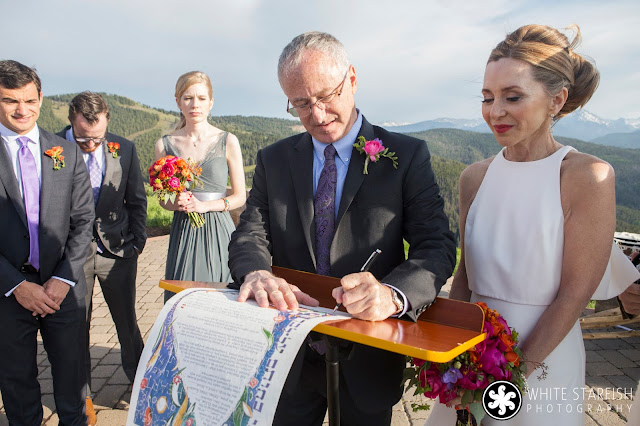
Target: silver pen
{"x":364,"y":268}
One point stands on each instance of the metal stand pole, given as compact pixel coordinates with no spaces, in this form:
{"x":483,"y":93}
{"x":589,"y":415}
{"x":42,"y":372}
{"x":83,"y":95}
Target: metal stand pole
{"x":333,"y":381}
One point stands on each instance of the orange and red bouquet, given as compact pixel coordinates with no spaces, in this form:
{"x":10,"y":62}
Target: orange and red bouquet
{"x":172,"y":175}
{"x":463,"y":379}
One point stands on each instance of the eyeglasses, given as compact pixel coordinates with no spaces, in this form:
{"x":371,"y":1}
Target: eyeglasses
{"x":96,"y":141}
{"x":306,"y":108}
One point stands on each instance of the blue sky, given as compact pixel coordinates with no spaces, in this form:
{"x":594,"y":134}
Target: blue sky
{"x":415,"y":60}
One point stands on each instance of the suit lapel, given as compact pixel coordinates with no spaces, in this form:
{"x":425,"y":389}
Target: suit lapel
{"x":10,"y":183}
{"x":47,"y":185}
{"x":302,"y":175}
{"x":354,"y":177}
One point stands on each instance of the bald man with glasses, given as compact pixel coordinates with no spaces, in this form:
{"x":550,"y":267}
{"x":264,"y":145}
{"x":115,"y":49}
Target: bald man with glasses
{"x":313,"y":208}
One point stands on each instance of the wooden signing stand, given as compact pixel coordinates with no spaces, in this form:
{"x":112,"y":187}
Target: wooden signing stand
{"x":445,"y":330}
{"x":607,"y":319}
{"x":613,"y":317}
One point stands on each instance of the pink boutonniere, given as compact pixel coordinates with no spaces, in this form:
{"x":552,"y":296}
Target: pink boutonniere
{"x":56,"y":155}
{"x":374,"y":149}
{"x":113,"y":148}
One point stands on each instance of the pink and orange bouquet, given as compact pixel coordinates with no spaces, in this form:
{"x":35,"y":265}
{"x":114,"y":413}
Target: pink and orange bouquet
{"x":463,"y":379}
{"x":172,"y":175}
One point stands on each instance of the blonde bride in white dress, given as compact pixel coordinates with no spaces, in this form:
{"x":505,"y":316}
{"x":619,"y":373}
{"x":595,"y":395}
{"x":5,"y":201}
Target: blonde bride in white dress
{"x":537,"y":221}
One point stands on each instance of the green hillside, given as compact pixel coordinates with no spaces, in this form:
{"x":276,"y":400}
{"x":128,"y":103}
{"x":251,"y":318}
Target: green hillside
{"x":50,"y":119}
{"x":273,"y":126}
{"x":468,"y":147}
{"x":451,"y":149}
{"x":141,"y":124}
{"x":447,"y":175}
{"x":623,"y":140}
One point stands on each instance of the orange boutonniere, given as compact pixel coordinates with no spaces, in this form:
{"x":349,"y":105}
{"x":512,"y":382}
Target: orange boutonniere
{"x":113,"y":148}
{"x":56,"y":155}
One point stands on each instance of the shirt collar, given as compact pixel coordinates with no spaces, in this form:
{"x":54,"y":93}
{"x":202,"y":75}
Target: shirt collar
{"x":344,"y":146}
{"x":11,"y":136}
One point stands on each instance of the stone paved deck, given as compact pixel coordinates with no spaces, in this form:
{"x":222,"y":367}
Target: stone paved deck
{"x":611,"y":363}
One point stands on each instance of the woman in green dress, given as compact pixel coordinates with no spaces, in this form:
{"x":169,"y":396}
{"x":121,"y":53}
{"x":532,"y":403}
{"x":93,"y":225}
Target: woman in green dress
{"x":201,"y":254}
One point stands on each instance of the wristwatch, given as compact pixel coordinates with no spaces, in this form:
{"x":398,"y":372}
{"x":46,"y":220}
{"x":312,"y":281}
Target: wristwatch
{"x":397,"y":300}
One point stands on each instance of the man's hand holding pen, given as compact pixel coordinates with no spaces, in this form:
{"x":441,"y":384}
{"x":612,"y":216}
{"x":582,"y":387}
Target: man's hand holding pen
{"x":364,"y":297}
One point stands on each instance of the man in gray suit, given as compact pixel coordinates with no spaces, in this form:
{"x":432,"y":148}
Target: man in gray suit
{"x":313,"y":208}
{"x":46,"y":212}
{"x":119,"y":231}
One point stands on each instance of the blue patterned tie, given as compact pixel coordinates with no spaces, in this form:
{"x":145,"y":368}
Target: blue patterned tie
{"x":31,"y":194}
{"x":95,"y":175}
{"x":324,"y":208}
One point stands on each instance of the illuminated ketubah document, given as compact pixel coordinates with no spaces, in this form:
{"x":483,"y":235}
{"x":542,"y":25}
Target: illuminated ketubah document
{"x":211,"y":360}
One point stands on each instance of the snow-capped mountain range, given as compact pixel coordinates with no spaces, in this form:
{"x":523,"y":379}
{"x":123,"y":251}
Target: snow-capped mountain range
{"x":580,"y":125}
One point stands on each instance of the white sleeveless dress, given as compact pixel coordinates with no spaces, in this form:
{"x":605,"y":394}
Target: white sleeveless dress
{"x":514,"y":240}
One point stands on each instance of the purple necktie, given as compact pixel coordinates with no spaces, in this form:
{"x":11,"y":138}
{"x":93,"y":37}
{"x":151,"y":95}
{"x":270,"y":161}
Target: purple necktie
{"x":95,"y":175}
{"x":324,"y":208}
{"x":31,"y":194}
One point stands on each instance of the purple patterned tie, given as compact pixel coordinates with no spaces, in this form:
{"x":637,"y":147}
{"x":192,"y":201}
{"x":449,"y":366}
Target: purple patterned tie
{"x":31,"y":195}
{"x":95,"y":175}
{"x":324,"y":208}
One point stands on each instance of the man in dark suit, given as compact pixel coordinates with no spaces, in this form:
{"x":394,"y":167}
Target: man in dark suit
{"x":119,"y":231}
{"x":297,"y":181}
{"x":46,"y":212}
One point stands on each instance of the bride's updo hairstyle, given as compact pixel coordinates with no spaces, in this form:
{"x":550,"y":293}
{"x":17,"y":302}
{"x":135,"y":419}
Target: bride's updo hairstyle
{"x":554,"y":62}
{"x":184,"y":82}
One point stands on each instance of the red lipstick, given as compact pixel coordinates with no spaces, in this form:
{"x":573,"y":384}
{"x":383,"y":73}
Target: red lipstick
{"x":501,"y":128}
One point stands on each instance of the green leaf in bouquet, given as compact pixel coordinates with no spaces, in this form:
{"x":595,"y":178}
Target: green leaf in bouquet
{"x":409,"y":374}
{"x":523,"y":368}
{"x":477,"y":395}
{"x":172,"y":197}
{"x":514,"y":335}
{"x":476,"y":409}
{"x":467,"y":398}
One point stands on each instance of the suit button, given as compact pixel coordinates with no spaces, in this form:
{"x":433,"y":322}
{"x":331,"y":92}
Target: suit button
{"x":26,"y":237}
